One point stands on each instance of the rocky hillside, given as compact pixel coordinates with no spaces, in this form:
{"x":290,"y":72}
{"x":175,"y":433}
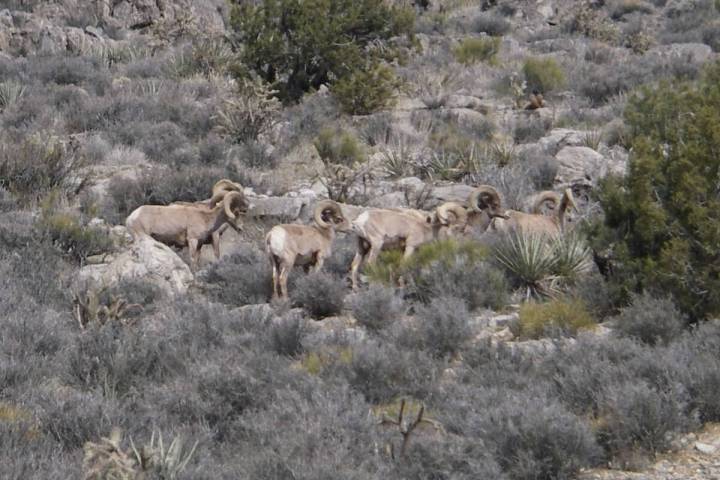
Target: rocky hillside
{"x":496,"y":357}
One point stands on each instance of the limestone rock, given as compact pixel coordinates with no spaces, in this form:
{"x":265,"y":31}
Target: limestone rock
{"x":579,"y":166}
{"x":148,"y":260}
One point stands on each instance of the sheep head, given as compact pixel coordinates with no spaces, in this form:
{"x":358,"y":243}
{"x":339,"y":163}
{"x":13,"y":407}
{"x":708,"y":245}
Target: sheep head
{"x":451,"y":217}
{"x":235,"y":205}
{"x":486,"y":198}
{"x":328,"y":214}
{"x":222,"y":188}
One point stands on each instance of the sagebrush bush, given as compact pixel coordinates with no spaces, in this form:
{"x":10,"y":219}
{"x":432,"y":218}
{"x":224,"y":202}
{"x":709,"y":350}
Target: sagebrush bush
{"x":474,"y":50}
{"x":634,"y":414}
{"x":553,"y":317}
{"x":377,"y":307}
{"x":443,"y":325}
{"x":241,"y":278}
{"x":543,"y":74}
{"x":651,"y":320}
{"x":286,"y":335}
{"x":366,"y":91}
{"x":493,"y":25}
{"x":320,"y":294}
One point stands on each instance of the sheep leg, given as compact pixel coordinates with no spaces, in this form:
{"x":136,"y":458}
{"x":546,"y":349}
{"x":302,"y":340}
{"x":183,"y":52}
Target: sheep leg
{"x":319,"y":260}
{"x":194,"y":248}
{"x":360,"y":256}
{"x":216,"y":244}
{"x":284,"y":272}
{"x":275,"y":277}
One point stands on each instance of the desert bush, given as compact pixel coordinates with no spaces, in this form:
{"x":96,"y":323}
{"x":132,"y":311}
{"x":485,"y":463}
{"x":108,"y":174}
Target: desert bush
{"x":443,"y":326}
{"x":458,"y":459}
{"x":635,"y":415}
{"x":383,"y":372}
{"x":651,"y":320}
{"x":377,"y":307}
{"x":38,"y":165}
{"x":620,"y":8}
{"x":339,"y":147}
{"x":651,"y":252}
{"x":529,"y":130}
{"x":67,"y":233}
{"x":493,"y":25}
{"x":591,"y":22}
{"x":255,"y":154}
{"x":242,"y":278}
{"x":543,"y":74}
{"x":565,"y":317}
{"x":710,"y":36}
{"x":286,"y":335}
{"x":535,"y":438}
{"x":250,"y":113}
{"x":543,"y":171}
{"x":320,"y":294}
{"x":596,"y":294}
{"x":299,"y":47}
{"x":474,"y":50}
{"x":366,"y":91}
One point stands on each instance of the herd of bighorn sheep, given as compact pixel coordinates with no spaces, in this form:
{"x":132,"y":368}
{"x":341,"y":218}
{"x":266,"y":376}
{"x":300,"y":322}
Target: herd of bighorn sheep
{"x":193,"y":225}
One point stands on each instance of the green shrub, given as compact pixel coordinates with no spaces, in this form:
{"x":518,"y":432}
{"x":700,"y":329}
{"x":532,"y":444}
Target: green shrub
{"x":443,"y":268}
{"x":474,"y":50}
{"x":366,"y":91}
{"x":565,"y":317}
{"x":543,"y":74}
{"x":336,"y":146}
{"x":72,"y":238}
{"x":299,"y":45}
{"x":661,"y":219}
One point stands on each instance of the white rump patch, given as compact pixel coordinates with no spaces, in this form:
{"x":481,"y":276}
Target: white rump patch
{"x":277,"y":240}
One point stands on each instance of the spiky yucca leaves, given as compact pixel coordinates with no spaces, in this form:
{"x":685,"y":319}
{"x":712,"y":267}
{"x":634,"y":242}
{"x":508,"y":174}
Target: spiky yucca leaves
{"x":542,"y":264}
{"x":10,"y":93}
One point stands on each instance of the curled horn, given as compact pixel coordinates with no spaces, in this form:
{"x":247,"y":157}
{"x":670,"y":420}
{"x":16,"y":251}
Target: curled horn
{"x":231,"y":200}
{"x":485,"y":197}
{"x":543,"y":197}
{"x":567,"y":201}
{"x":221,"y":188}
{"x":446,"y":209}
{"x":321,"y":207}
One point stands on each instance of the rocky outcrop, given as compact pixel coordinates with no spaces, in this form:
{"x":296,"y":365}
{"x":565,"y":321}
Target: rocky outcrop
{"x":146,"y":259}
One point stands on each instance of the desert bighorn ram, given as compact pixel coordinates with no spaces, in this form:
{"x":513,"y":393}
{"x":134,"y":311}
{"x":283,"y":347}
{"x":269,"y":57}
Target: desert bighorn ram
{"x":379,"y":229}
{"x":308,"y":245}
{"x":219,"y":190}
{"x":189,"y":226}
{"x":487,"y":200}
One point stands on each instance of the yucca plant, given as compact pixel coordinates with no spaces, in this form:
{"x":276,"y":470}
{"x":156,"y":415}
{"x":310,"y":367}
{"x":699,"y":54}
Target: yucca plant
{"x":592,"y":139}
{"x":397,"y":161}
{"x":529,"y":259}
{"x":573,"y":256}
{"x":10,"y":93}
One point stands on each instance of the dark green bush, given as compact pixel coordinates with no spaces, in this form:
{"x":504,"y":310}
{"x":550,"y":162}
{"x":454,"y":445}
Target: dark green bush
{"x":298,"y":45}
{"x":661,"y":219}
{"x":543,"y":74}
{"x":473,"y":50}
{"x":67,"y":233}
{"x":363,"y":92}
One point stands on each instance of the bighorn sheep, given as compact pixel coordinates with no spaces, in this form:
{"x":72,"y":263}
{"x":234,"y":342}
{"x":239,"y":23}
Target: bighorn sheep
{"x":380,"y":229}
{"x":219,"y":190}
{"x":489,"y":201}
{"x":308,"y":245}
{"x":189,"y":226}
